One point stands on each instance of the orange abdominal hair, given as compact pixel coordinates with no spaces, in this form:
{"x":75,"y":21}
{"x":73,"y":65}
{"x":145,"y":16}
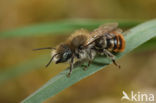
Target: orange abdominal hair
{"x":120,"y":42}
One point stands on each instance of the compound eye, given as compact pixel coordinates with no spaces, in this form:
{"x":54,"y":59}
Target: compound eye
{"x":65,"y":55}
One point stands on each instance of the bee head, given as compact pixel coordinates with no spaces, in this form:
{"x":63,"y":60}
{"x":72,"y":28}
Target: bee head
{"x":64,"y":53}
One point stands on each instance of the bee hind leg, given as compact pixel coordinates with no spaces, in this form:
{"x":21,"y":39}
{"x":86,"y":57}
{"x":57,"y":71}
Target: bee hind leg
{"x":112,"y":57}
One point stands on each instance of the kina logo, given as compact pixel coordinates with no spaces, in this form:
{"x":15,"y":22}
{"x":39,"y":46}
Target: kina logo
{"x":138,"y":97}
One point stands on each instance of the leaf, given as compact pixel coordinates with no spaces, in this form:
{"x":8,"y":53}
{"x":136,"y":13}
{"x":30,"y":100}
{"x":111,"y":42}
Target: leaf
{"x":134,"y":38}
{"x":61,"y":27}
{"x":150,"y":45}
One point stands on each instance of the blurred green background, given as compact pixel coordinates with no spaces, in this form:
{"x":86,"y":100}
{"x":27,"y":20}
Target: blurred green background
{"x":138,"y":71}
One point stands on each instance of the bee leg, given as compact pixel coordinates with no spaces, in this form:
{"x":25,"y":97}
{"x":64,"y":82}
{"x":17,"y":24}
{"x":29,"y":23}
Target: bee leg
{"x":86,"y":67}
{"x":90,"y":54}
{"x":71,"y":67}
{"x":90,"y":60}
{"x":110,"y":55}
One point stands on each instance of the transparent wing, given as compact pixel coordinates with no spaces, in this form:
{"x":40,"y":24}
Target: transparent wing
{"x":118,"y":30}
{"x":104,"y":29}
{"x":101,"y":31}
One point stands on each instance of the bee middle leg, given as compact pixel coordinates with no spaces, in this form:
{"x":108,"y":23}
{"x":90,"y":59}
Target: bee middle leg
{"x":85,"y":67}
{"x":89,"y":61}
{"x":111,"y":56}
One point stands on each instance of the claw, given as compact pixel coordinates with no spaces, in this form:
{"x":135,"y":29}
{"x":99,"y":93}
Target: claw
{"x":114,"y":62}
{"x":68,"y":75}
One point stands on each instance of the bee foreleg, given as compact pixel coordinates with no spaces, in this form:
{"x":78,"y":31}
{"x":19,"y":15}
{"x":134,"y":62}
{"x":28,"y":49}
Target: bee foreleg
{"x":112,"y":57}
{"x":71,"y":66}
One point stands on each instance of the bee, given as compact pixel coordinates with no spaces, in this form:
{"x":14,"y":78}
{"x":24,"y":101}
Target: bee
{"x":72,"y":50}
{"x":83,"y":45}
{"x":107,"y":39}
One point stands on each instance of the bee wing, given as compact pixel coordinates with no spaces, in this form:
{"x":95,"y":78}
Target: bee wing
{"x":104,"y":29}
{"x":118,"y":30}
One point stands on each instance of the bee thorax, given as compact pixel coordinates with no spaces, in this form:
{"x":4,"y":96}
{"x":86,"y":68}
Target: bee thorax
{"x":81,"y":54}
{"x":86,"y":54}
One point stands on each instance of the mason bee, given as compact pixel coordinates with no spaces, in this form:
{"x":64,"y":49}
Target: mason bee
{"x":106,"y":39}
{"x":72,"y":50}
{"x":84,"y":45}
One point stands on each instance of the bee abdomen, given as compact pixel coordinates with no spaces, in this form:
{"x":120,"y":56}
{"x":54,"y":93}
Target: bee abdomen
{"x":116,"y":44}
{"x":122,"y":43}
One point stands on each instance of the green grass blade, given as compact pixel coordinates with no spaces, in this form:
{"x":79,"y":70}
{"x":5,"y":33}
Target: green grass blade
{"x":134,"y":38}
{"x":148,"y":46}
{"x":60,"y":27}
